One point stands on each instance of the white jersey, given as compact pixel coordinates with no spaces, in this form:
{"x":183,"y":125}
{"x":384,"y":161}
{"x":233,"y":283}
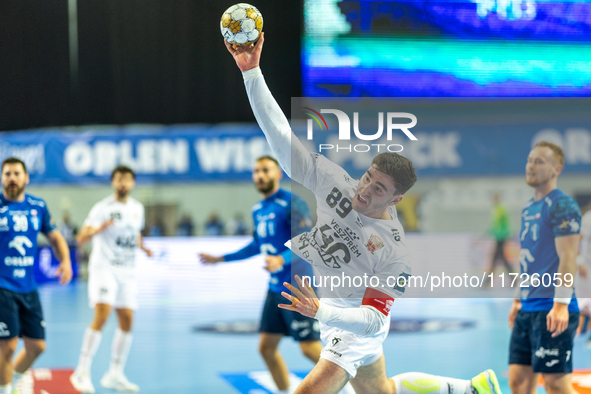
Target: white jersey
{"x":115,"y":245}
{"x":344,"y":241}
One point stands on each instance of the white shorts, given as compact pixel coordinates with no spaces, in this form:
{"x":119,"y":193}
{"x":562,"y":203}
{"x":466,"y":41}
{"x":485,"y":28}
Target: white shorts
{"x":350,"y":351}
{"x":114,"y":287}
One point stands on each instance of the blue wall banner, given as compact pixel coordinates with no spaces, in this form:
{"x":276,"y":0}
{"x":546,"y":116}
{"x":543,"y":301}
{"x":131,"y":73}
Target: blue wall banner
{"x":226,"y":153}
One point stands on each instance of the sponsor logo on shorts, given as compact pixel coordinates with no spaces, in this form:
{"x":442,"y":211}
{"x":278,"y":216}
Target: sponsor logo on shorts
{"x":374,"y":243}
{"x":551,"y":363}
{"x":542,"y":353}
{"x":104,"y":290}
{"x":335,"y":341}
{"x":4,"y":332}
{"x":43,"y":323}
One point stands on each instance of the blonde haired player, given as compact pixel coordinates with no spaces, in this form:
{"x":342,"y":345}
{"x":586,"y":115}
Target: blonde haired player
{"x":114,"y":225}
{"x":357,"y":232}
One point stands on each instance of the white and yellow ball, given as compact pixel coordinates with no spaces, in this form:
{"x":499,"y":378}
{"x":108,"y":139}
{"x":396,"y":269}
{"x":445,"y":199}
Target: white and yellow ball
{"x":241,"y":24}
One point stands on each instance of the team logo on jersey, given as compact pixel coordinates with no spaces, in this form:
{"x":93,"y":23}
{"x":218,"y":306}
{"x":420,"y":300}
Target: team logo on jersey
{"x":573,"y":224}
{"x":395,"y":234}
{"x":374,"y":243}
{"x":19,"y":242}
{"x":4,"y":224}
{"x":35,"y":219}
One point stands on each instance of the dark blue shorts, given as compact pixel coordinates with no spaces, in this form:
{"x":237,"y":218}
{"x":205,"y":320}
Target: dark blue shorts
{"x":532,"y":343}
{"x":281,"y":321}
{"x":21,"y":315}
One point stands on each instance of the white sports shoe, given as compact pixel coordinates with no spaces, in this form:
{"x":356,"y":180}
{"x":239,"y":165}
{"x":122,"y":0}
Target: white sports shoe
{"x":81,"y":382}
{"x":118,"y":381}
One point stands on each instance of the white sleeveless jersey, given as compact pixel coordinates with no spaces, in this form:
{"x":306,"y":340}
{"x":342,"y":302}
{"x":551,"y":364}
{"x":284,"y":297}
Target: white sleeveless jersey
{"x":344,"y":241}
{"x":115,"y":246}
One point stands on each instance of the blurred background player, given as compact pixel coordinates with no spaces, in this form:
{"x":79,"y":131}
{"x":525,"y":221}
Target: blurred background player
{"x":544,"y":327}
{"x":22,"y":218}
{"x":114,"y":225}
{"x":500,"y":229}
{"x":279,"y":215}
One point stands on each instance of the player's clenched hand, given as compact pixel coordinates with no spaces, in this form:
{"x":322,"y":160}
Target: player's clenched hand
{"x":64,"y":272}
{"x":209,"y":259}
{"x":105,"y":224}
{"x":248,"y":56}
{"x":515,"y":308}
{"x":274,"y":263}
{"x":557,"y":319}
{"x":303,"y":300}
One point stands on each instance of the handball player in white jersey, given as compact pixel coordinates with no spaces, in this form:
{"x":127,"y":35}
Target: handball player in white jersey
{"x":114,"y":225}
{"x":357,"y":233}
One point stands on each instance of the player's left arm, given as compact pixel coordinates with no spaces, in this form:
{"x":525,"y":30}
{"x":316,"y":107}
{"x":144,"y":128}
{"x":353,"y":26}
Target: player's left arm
{"x":565,"y":220}
{"x":141,"y":245}
{"x":62,"y":252}
{"x":368,"y":319}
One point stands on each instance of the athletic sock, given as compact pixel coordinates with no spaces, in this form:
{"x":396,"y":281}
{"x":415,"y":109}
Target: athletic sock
{"x":6,"y":389}
{"x":90,"y":344}
{"x":16,"y":377}
{"x":422,"y":383}
{"x":120,"y":350}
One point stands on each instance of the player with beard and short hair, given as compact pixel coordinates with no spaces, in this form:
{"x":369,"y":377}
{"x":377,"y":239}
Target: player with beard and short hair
{"x":544,"y":318}
{"x":275,"y":218}
{"x":22,"y":218}
{"x":114,"y":225}
{"x":357,"y":234}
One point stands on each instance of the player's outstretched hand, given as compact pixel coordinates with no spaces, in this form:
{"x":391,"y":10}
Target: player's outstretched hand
{"x":305,"y":300}
{"x":248,"y":56}
{"x":209,"y":259}
{"x":64,"y":272}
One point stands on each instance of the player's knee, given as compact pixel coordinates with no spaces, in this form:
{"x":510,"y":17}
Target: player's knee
{"x":517,"y":385}
{"x":311,"y":350}
{"x":556,"y":386}
{"x":36,"y":348}
{"x":267,"y":350}
{"x":7,"y":349}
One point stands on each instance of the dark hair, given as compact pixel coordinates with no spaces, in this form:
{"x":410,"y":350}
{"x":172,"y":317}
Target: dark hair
{"x":556,"y":150}
{"x":122,"y":170}
{"x":14,"y":160}
{"x":399,"y":168}
{"x":267,"y":157}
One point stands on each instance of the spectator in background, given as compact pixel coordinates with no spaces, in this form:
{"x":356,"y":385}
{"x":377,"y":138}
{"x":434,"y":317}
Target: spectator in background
{"x":213,"y":225}
{"x":500,"y":229}
{"x":185,"y":227}
{"x":156,"y":229}
{"x":68,"y":229}
{"x":238,"y":225}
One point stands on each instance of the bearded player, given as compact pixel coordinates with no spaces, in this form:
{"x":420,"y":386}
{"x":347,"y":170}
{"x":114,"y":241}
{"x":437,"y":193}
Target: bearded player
{"x":275,"y":218}
{"x":114,"y":225}
{"x":357,"y":233}
{"x":22,"y":218}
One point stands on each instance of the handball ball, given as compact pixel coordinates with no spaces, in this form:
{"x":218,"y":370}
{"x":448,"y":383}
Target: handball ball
{"x":241,"y":24}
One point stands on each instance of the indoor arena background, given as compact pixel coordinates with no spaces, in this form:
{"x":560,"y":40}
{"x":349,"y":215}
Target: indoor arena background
{"x":89,"y":84}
